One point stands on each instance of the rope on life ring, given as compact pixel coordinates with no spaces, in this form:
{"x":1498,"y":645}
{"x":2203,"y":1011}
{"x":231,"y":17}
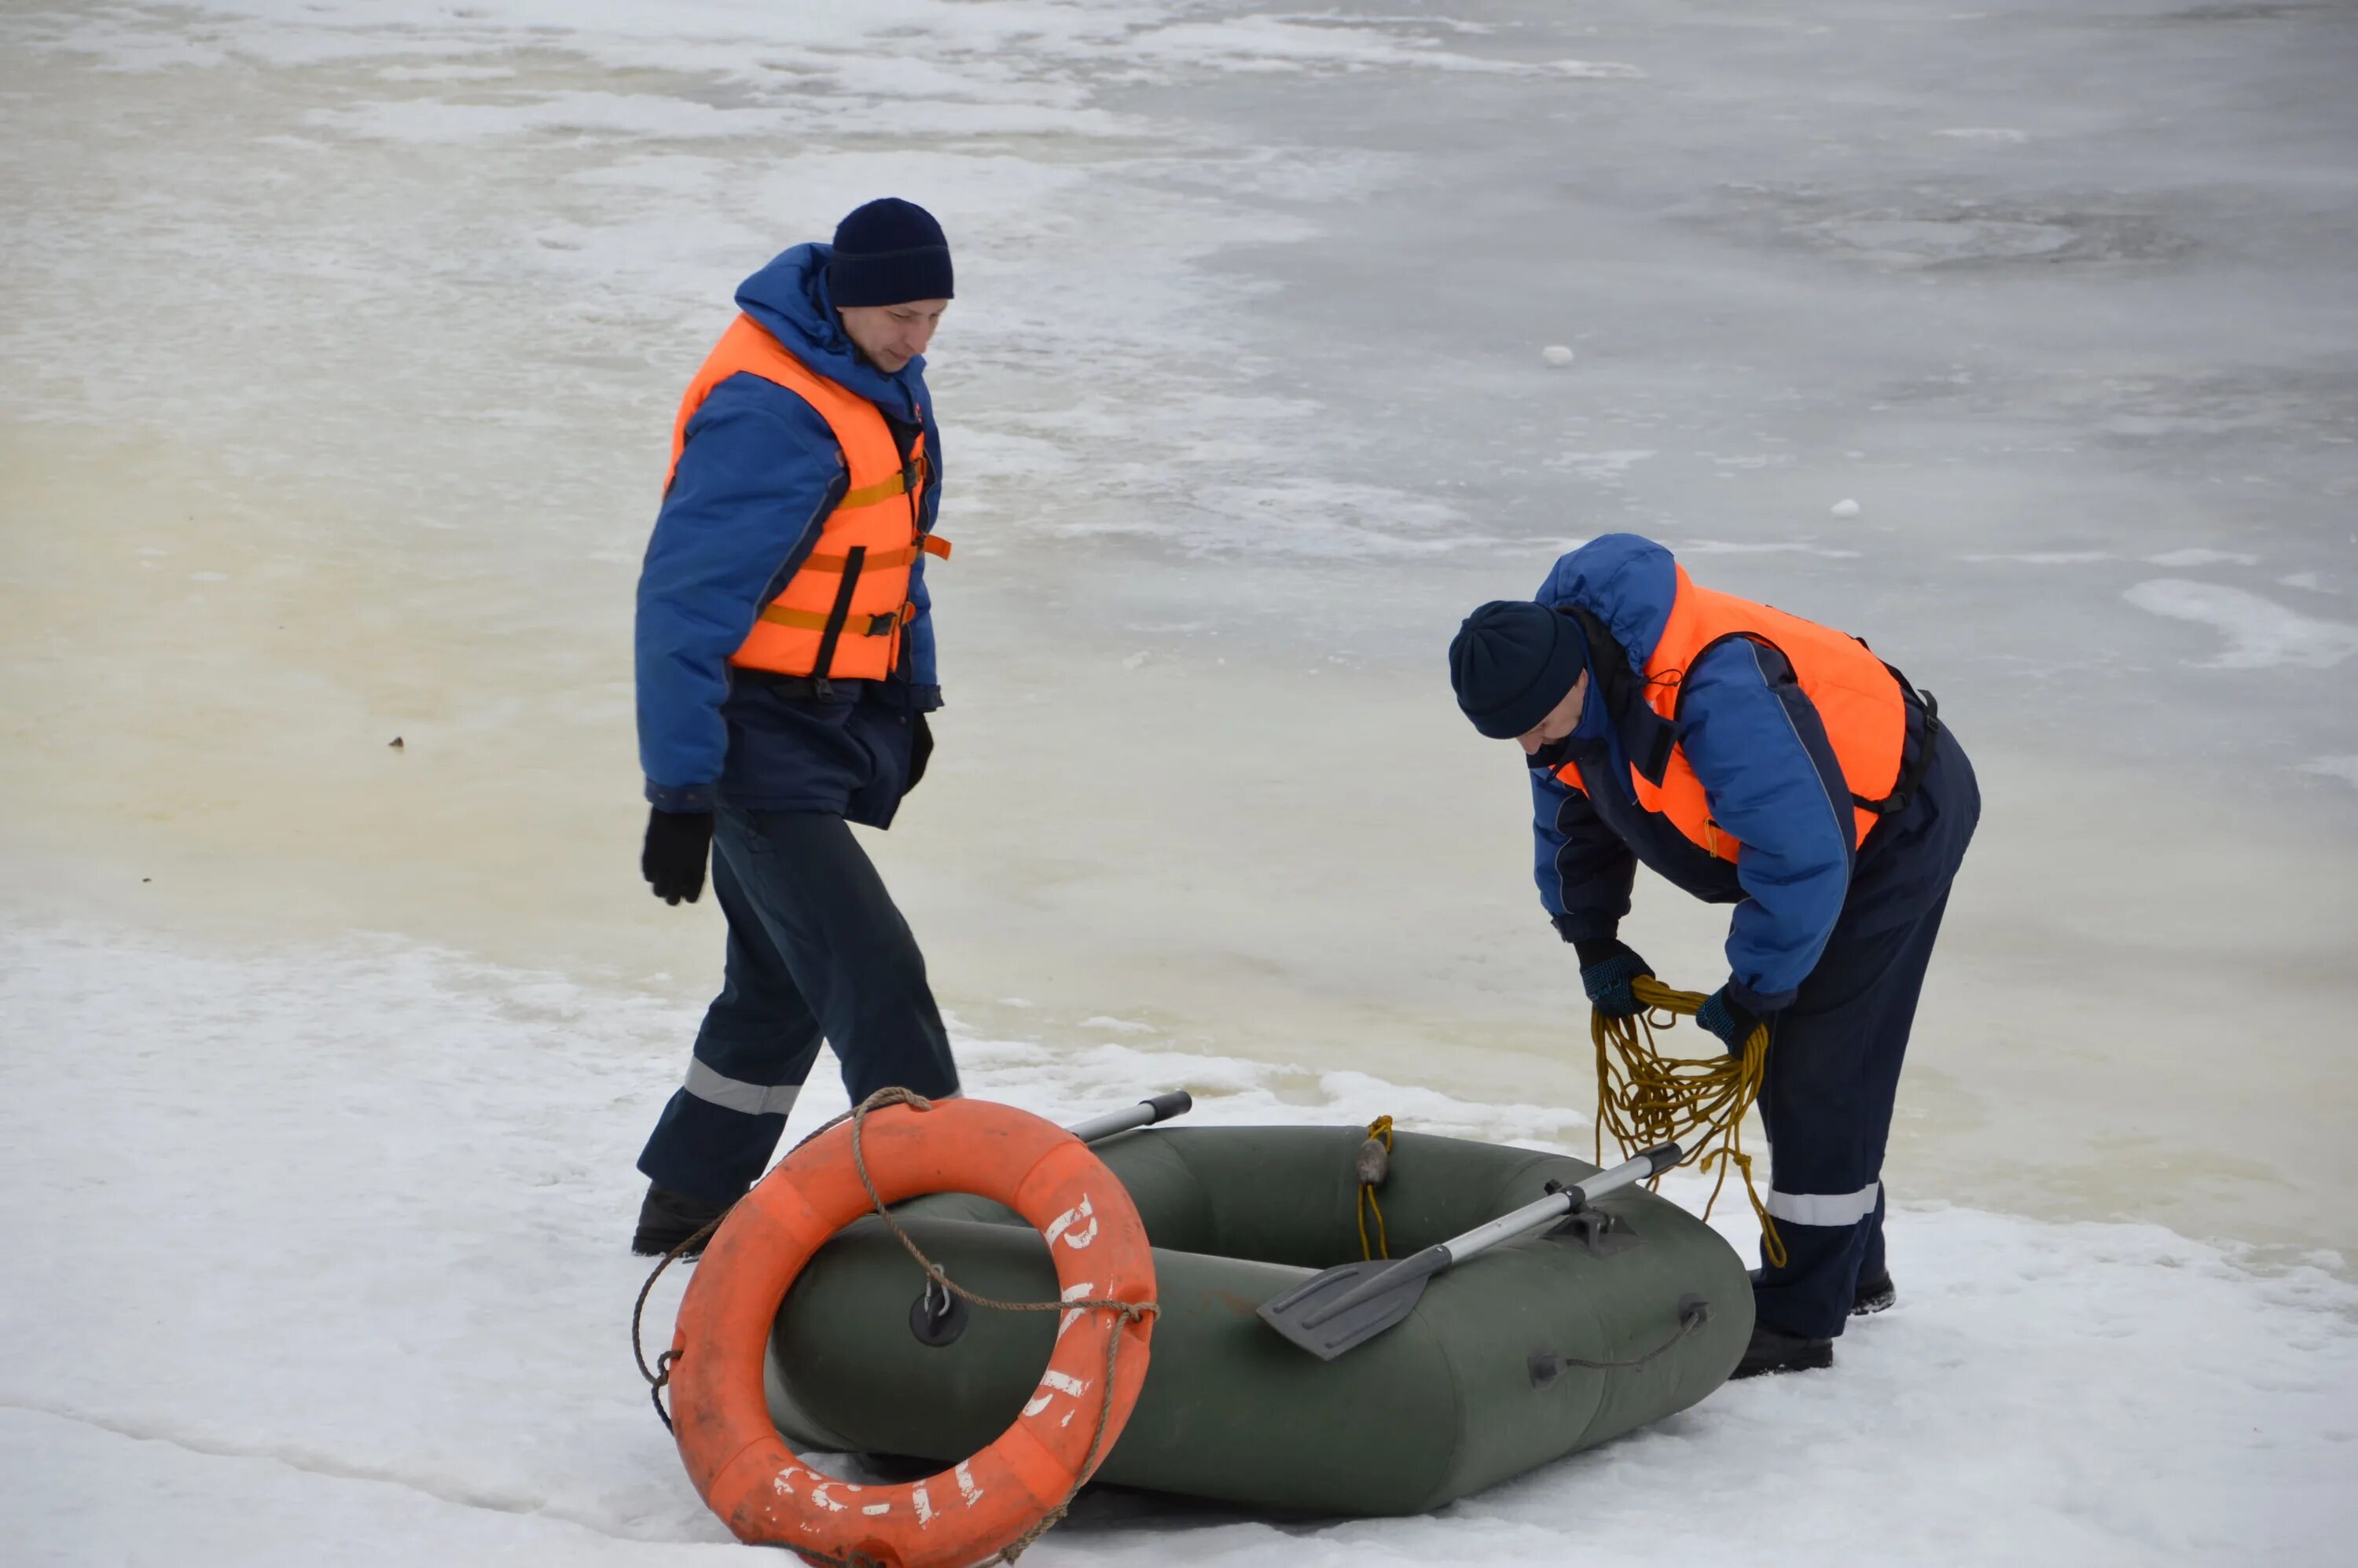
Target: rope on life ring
{"x":895,"y":1146}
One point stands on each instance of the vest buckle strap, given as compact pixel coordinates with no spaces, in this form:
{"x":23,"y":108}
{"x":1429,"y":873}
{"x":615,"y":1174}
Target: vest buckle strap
{"x":875,"y":494}
{"x":860,"y":625}
{"x":930,"y":545}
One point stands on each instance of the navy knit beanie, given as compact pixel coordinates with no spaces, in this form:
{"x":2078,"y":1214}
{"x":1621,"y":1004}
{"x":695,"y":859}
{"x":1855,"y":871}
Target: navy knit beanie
{"x":1511,"y":662}
{"x":889,"y":252}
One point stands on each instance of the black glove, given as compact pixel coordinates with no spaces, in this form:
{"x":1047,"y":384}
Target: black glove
{"x":1729,"y":1019}
{"x":673,"y":862}
{"x":1607,"y":968}
{"x":921,"y":750}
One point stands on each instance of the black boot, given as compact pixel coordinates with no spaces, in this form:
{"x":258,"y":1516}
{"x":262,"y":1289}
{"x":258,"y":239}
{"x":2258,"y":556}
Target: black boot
{"x":1774,"y":1350}
{"x":668,"y":1218}
{"x":1871,"y":1295}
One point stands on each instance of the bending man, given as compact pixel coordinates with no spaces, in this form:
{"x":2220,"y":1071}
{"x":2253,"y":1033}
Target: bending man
{"x":1757,"y":759}
{"x":786,"y":666}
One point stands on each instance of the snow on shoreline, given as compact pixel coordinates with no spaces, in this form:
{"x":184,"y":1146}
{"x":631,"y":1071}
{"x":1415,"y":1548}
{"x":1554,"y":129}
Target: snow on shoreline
{"x":329,"y":1266}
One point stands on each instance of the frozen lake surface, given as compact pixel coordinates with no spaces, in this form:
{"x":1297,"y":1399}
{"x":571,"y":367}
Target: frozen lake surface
{"x":338,"y":350}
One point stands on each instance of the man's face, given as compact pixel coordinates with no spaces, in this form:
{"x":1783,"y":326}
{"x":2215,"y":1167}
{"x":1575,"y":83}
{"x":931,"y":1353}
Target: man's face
{"x":892,"y":335}
{"x":1560,"y":721}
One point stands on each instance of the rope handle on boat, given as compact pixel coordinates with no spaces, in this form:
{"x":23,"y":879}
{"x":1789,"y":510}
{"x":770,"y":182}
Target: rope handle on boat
{"x":1547,"y":1366}
{"x":1645,"y":1099}
{"x":659,"y":1375}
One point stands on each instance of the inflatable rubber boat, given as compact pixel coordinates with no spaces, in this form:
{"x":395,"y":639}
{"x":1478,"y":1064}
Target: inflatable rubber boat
{"x":1538,"y":1348}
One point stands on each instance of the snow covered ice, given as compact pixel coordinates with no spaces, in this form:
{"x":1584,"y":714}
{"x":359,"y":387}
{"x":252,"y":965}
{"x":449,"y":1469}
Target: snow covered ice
{"x":339,"y":346}
{"x":350,"y":1294}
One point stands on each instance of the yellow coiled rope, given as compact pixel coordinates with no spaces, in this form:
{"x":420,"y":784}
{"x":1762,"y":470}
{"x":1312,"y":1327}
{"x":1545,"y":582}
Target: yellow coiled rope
{"x":1645,"y":1099}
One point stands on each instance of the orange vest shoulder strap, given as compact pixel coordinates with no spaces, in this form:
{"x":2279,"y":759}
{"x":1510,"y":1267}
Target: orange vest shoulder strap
{"x":745,"y":349}
{"x":1857,"y":697}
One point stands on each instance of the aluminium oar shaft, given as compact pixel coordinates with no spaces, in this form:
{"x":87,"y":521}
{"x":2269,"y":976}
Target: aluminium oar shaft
{"x":1571,"y":1200}
{"x":1145,"y":1113}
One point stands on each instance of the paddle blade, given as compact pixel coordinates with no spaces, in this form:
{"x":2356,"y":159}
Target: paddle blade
{"x":1315,"y":1315}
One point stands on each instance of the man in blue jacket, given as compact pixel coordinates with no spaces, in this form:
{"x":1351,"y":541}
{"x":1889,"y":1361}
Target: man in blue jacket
{"x":786,"y":667}
{"x":1754,"y":758}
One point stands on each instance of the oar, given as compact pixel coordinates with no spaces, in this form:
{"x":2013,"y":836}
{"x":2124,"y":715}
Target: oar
{"x":1348,"y":1306}
{"x":1145,"y":1113}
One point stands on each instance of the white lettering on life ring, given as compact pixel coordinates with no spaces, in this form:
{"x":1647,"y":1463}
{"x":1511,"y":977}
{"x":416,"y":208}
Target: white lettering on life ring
{"x":1072,"y":1294}
{"x":1052,"y":1384}
{"x":1064,"y":1224}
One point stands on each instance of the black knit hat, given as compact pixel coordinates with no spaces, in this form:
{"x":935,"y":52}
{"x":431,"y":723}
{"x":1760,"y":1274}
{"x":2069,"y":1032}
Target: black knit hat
{"x":888,"y":253}
{"x":1511,"y":662}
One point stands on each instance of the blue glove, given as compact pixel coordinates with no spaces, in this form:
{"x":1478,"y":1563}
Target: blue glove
{"x":1729,"y":1019}
{"x":1607,"y":968}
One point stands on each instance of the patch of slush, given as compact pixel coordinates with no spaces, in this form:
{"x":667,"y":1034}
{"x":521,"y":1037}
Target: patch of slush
{"x":1609,"y":469}
{"x":1151,"y":39}
{"x":2258,"y":634}
{"x":2199,"y":556}
{"x":987,"y":112}
{"x":1684,"y":547}
{"x":331,"y":1269}
{"x":420,"y":120}
{"x":2047,"y":557}
{"x":1930,"y":242}
{"x":1289,"y":514}
{"x":445,"y":72}
{"x":2342,"y":768}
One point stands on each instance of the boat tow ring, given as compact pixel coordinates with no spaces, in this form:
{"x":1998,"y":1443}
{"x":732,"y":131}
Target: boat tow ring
{"x":760,"y":1488}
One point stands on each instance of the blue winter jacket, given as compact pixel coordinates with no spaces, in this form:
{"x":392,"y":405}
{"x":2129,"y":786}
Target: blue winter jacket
{"x":1758,"y":750}
{"x":759,"y":474}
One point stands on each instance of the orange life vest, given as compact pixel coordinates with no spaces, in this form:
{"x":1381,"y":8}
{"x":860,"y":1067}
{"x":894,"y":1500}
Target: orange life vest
{"x":842,"y":613}
{"x":1857,"y":697}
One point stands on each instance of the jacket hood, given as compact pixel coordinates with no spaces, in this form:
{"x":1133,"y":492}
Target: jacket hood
{"x":1625,"y":580}
{"x":1626,"y":585}
{"x":789,"y":299}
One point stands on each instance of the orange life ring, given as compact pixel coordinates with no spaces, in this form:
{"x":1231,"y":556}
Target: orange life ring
{"x":744,"y":1470}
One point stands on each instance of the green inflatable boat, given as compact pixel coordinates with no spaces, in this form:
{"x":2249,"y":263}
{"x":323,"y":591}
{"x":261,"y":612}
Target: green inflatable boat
{"x":1533,"y":1350}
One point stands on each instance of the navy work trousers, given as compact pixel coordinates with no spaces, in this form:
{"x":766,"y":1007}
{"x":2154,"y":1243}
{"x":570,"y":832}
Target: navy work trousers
{"x":817,"y":950}
{"x":1834,"y":1056}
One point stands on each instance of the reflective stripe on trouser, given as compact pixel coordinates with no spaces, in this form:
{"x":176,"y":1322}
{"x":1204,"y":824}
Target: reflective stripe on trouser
{"x":1833,"y":1072}
{"x":1818,"y":1208}
{"x":729,"y":1094}
{"x":816,"y":949}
